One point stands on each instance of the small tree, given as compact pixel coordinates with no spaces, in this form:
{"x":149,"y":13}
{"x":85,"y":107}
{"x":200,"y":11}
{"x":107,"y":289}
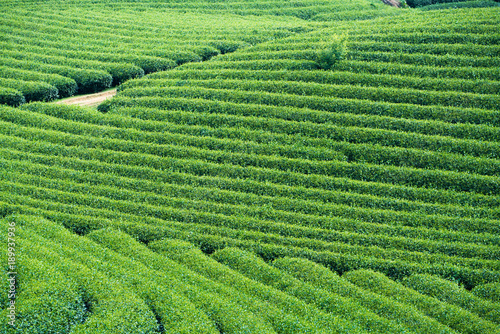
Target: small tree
{"x":328,"y":57}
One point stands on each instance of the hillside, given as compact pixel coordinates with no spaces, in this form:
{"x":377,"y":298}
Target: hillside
{"x":267,"y":166}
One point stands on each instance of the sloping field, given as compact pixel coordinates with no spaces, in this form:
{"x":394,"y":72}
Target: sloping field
{"x":247,"y":189}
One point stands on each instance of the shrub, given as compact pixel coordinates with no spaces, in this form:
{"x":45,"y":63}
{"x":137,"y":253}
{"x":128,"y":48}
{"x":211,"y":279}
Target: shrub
{"x":490,"y":291}
{"x":256,"y":269}
{"x":47,"y":301}
{"x":326,"y":59}
{"x":11,"y":97}
{"x":450,"y":292}
{"x":320,"y":276}
{"x":65,"y":86}
{"x":285,"y":313}
{"x":32,"y":90}
{"x":449,"y":315}
{"x":206,"y":52}
{"x":113,"y":308}
{"x":229,"y":316}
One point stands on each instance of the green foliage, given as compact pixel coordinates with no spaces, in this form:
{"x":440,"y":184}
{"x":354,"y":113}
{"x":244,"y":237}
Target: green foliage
{"x":421,"y":3}
{"x":462,"y":4}
{"x":32,"y":90}
{"x":320,"y":276}
{"x":451,"y":293}
{"x":65,"y":86}
{"x":388,"y":161}
{"x":335,"y":52}
{"x":448,"y":314}
{"x":11,"y":97}
{"x":490,"y":292}
{"x":47,"y":301}
{"x":285,"y":313}
{"x":255,"y":268}
{"x":112,"y":307}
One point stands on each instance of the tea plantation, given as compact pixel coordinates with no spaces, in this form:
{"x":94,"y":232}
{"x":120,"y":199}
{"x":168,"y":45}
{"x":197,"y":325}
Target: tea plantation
{"x":267,"y":166}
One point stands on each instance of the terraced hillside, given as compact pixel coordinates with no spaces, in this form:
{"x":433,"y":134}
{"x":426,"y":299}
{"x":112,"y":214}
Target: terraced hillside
{"x":247,"y":189}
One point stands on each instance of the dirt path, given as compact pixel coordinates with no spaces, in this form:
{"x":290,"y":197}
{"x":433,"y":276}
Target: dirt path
{"x":90,"y":100}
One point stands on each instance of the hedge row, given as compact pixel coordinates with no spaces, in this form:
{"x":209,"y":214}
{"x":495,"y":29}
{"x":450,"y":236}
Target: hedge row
{"x":286,"y":313}
{"x":338,"y":262}
{"x":144,"y":120}
{"x":443,"y":238}
{"x":462,"y":4}
{"x":300,"y":236}
{"x":200,"y":116}
{"x":429,"y":49}
{"x":210,"y":170}
{"x":32,"y":90}
{"x":198,"y":168}
{"x":251,"y":229}
{"x":426,"y":59}
{"x":308,"y":155}
{"x":255,"y":268}
{"x":294,"y":199}
{"x":300,"y":124}
{"x":88,"y":80}
{"x":11,"y":97}
{"x":233,"y":311}
{"x":282,"y":64}
{"x":172,"y":309}
{"x":444,"y":37}
{"x":235,"y":162}
{"x":46,"y":300}
{"x":421,"y":71}
{"x":194,"y":96}
{"x":65,"y":86}
{"x":159,"y":141}
{"x":448,"y":314}
{"x":115,"y":309}
{"x":421,"y":3}
{"x":385,"y":46}
{"x":119,"y":71}
{"x":334,"y":78}
{"x":320,"y":276}
{"x":451,"y":293}
{"x":392,"y":95}
{"x":489,"y":292}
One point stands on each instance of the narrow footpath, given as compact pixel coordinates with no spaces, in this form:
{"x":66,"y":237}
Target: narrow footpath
{"x":90,"y":100}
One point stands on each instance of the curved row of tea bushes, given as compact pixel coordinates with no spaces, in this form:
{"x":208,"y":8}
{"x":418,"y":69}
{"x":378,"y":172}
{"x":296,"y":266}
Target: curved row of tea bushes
{"x":438,"y":179}
{"x":451,"y":293}
{"x":280,"y":323}
{"x":177,"y":96}
{"x":186,"y":254}
{"x":32,"y":90}
{"x":88,"y":80}
{"x":119,"y":71}
{"x":320,"y":276}
{"x":113,"y":308}
{"x":65,"y":41}
{"x":228,"y":315}
{"x":286,"y":313}
{"x":462,"y":4}
{"x":307,"y":237}
{"x":46,"y":300}
{"x":11,"y":97}
{"x":392,"y":95}
{"x":489,"y":292}
{"x":450,"y":315}
{"x":333,"y":77}
{"x":313,"y":156}
{"x":65,"y":86}
{"x":413,"y":233}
